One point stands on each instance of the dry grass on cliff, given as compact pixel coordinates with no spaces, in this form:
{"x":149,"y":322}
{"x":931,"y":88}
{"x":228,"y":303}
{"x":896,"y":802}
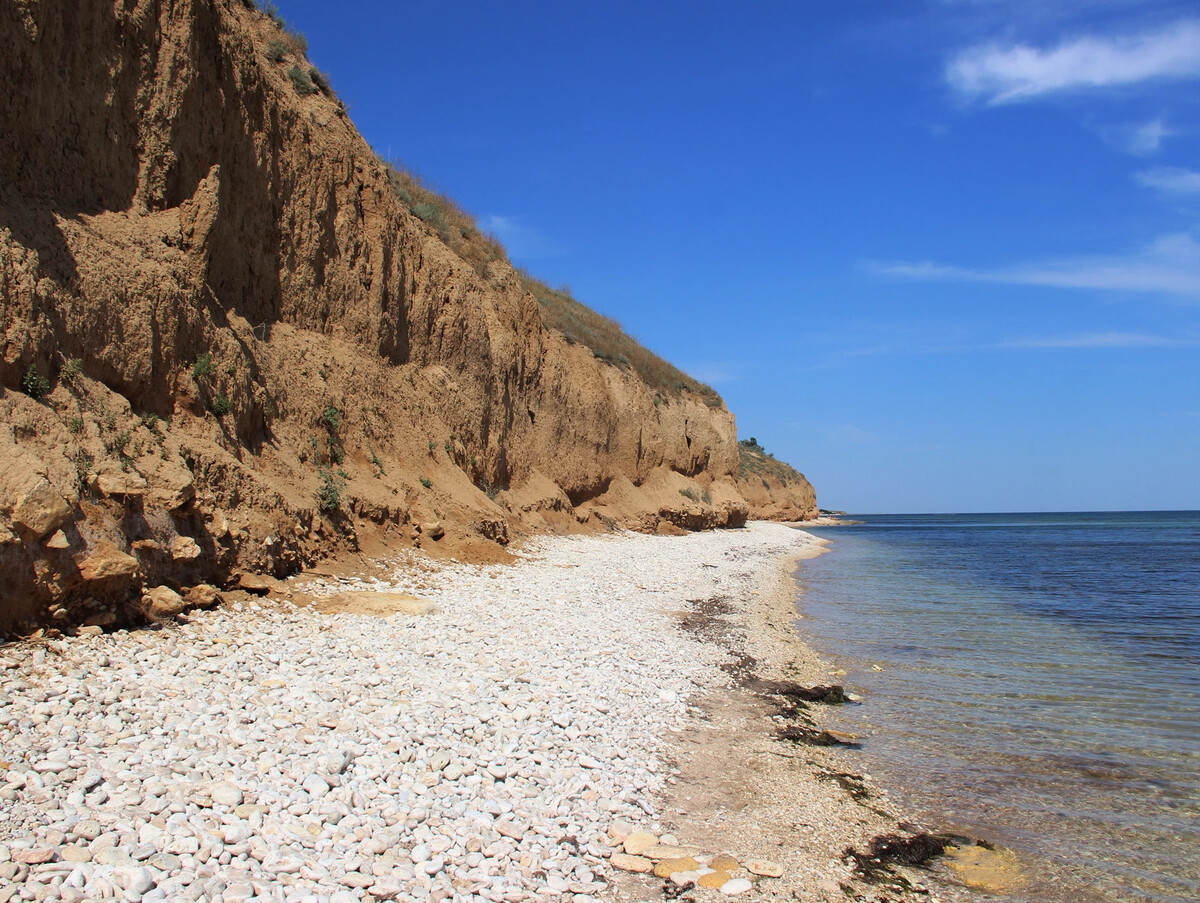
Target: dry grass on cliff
{"x":453,"y":225}
{"x":609,"y":342}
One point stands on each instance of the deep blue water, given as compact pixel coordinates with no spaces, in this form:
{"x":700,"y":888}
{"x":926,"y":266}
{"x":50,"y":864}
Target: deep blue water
{"x":1032,"y":679}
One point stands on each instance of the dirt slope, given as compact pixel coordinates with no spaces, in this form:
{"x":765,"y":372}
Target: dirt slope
{"x":230,"y":345}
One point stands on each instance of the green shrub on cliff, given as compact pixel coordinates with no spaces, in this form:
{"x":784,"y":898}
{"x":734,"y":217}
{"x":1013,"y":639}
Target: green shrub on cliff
{"x":329,"y":490}
{"x":34,"y":384}
{"x":302,"y":81}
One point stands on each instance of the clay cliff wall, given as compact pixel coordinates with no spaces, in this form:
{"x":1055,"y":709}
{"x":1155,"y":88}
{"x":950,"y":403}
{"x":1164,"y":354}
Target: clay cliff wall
{"x":230,"y":346}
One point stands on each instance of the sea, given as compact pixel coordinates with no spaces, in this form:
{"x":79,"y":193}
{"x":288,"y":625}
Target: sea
{"x":1032,"y":680}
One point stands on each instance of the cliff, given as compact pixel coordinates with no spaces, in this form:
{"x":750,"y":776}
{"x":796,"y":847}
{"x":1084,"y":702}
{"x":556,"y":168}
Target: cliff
{"x":772,"y":489}
{"x":235,"y":341}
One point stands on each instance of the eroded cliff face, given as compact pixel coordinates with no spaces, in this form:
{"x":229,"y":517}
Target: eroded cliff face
{"x":773,"y":490}
{"x":228,"y":346}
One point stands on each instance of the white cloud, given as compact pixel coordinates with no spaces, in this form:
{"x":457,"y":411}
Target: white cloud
{"x":1147,"y":138}
{"x":1020,"y":72}
{"x":1171,"y":179}
{"x":1169,"y":266}
{"x":1103,"y":340}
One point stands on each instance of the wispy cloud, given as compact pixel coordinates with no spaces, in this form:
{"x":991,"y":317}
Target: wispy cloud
{"x":1141,"y":139}
{"x":1010,"y":74}
{"x":522,"y":242}
{"x":1171,"y":179}
{"x":1169,"y":266}
{"x":1104,"y":340}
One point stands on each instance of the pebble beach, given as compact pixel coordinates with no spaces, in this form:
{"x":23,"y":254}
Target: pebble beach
{"x":510,"y":733}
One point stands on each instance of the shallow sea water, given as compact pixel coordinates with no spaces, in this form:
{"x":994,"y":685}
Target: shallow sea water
{"x":1030,"y":679}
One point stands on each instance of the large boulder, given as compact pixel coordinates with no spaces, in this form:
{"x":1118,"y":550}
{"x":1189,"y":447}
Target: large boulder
{"x":107,"y":562}
{"x":41,"y":510}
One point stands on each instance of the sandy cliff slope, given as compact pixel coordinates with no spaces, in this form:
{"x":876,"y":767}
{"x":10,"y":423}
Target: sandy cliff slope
{"x":229,"y":344}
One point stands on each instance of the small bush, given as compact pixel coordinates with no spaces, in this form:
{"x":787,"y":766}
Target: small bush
{"x":431,"y":214}
{"x":270,"y":9}
{"x":71,"y":371}
{"x":320,"y":79}
{"x":331,"y":418}
{"x":432,"y":447}
{"x":34,"y":384}
{"x":203,"y":368}
{"x":302,"y":81}
{"x":276,"y":51}
{"x":75,"y":424}
{"x":329,"y":492}
{"x":150,"y":422}
{"x":375,"y":460}
{"x":426,"y":482}
{"x":690,"y":493}
{"x":336,"y":453}
{"x":221,"y":405}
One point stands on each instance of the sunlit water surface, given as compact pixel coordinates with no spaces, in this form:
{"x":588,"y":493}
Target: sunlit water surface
{"x":1038,"y":685}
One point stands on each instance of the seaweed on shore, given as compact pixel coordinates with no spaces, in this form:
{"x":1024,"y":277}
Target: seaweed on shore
{"x":811,"y":736}
{"x":833,"y":694}
{"x":854,"y":784}
{"x":889,"y":850}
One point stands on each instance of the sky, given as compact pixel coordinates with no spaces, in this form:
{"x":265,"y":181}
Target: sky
{"x":939,"y":255}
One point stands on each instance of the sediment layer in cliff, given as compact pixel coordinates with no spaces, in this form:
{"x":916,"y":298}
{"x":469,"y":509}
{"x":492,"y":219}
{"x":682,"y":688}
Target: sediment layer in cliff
{"x":233,"y":341}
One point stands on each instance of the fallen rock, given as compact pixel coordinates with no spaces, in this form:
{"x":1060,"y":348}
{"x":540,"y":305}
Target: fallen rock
{"x":764,"y":868}
{"x":685,"y":879}
{"x":171,"y":486}
{"x":434,"y":530}
{"x":107,"y":562}
{"x":120,"y":484}
{"x":259,"y":584}
{"x":628,"y":863}
{"x":161,"y":603}
{"x":58,"y":541}
{"x":41,"y":510}
{"x":664,"y":868}
{"x":204,"y":596}
{"x":184,"y":548}
{"x":638,"y":841}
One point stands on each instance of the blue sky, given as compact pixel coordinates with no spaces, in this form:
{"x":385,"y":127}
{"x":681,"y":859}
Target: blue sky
{"x":939,"y":255}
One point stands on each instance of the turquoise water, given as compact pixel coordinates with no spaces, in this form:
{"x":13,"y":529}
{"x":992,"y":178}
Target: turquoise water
{"x":1031,"y":679}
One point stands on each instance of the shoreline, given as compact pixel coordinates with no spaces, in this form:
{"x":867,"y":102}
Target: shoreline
{"x":484,"y":749}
